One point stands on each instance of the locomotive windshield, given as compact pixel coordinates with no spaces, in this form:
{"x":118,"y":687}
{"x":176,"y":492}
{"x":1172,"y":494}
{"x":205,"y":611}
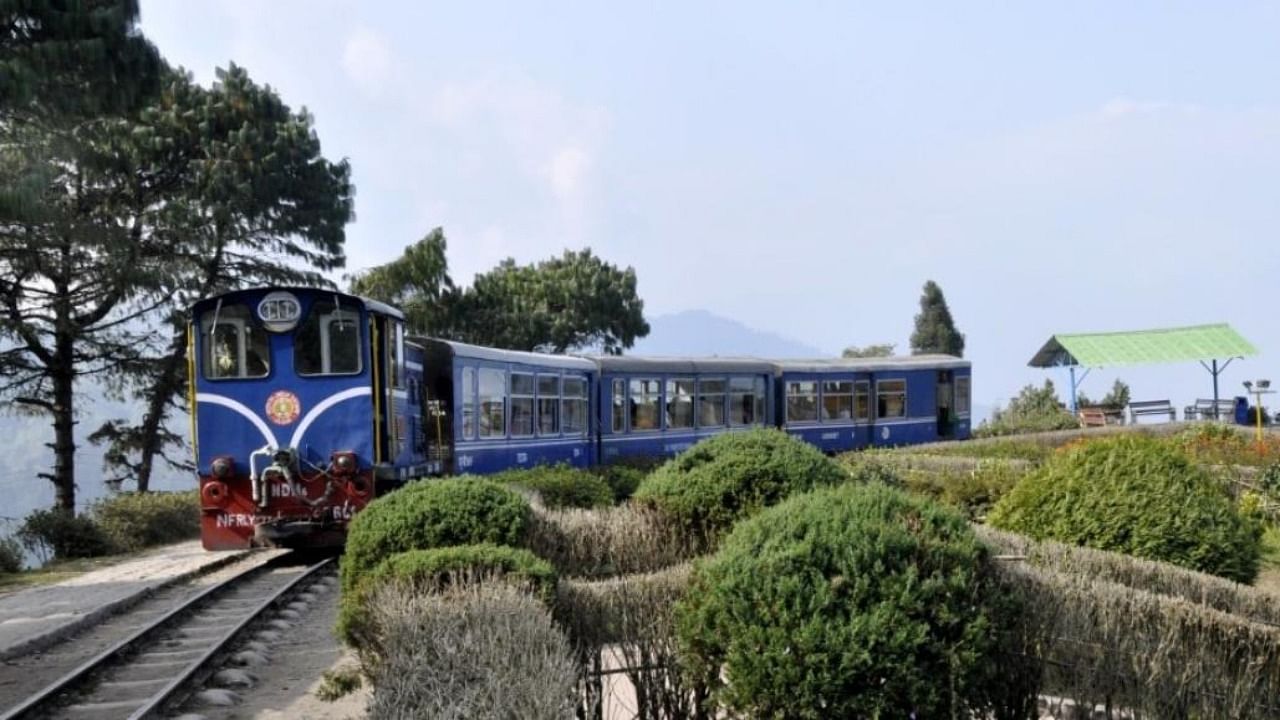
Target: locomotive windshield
{"x":233,"y":347}
{"x":328,"y":341}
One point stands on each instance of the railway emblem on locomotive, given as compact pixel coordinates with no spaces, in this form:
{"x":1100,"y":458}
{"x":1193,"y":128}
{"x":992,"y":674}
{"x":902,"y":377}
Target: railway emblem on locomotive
{"x":283,"y":407}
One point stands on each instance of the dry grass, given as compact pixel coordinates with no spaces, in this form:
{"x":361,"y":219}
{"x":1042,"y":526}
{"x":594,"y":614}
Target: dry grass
{"x":474,"y":651}
{"x":607,"y":542}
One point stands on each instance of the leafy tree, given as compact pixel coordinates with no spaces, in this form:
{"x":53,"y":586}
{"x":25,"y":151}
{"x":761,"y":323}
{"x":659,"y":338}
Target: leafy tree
{"x":573,"y":301}
{"x":935,"y":330}
{"x":1035,"y":409}
{"x":1118,"y":398}
{"x":252,"y":202}
{"x":870,"y":351}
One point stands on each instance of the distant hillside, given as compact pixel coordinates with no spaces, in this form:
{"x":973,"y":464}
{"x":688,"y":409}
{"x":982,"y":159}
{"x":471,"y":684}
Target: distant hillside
{"x":698,"y":332}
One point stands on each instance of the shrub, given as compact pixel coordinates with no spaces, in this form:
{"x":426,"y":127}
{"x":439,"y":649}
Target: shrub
{"x":488,"y":651}
{"x":435,"y":571}
{"x":623,"y":478}
{"x":974,"y":492}
{"x":59,"y":535}
{"x":433,"y":513}
{"x":560,"y":486}
{"x":723,"y":479}
{"x":1135,"y":495}
{"x":856,"y":601}
{"x":132,"y":521}
{"x":1036,"y":409}
{"x":609,"y":541}
{"x":11,"y":556}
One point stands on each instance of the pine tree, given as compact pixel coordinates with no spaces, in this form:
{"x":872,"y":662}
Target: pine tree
{"x":935,"y":330}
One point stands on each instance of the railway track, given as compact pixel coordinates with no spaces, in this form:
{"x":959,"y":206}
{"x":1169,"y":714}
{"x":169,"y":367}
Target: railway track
{"x":147,"y":672}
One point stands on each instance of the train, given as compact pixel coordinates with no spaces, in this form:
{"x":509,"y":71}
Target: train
{"x":307,"y":403}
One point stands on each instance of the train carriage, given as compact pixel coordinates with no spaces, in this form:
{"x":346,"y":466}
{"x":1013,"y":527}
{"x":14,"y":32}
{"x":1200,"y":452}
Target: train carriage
{"x":661,"y":406}
{"x":850,"y":403}
{"x":493,"y":410}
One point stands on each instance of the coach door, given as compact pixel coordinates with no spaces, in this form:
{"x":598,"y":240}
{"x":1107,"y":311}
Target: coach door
{"x":382,"y":333}
{"x":945,"y":403}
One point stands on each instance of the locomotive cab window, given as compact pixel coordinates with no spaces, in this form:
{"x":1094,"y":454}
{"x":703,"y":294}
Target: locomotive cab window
{"x":891,"y":398}
{"x":328,"y":341}
{"x":233,"y":346}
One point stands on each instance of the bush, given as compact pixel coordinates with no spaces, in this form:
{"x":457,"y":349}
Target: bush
{"x":728,"y":477}
{"x":974,"y":492}
{"x":132,"y":521}
{"x":560,"y":486}
{"x":11,"y":557}
{"x":433,"y":513}
{"x":623,"y":478}
{"x":604,"y":542}
{"x":1036,"y":409}
{"x":1135,"y":495}
{"x":855,"y":601}
{"x":488,"y":651}
{"x":59,"y":535}
{"x":436,"y":571}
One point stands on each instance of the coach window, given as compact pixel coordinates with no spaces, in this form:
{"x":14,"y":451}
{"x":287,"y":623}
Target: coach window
{"x":802,"y":402}
{"x":493,"y":402}
{"x":711,"y":403}
{"x":468,"y":403}
{"x":891,"y":398}
{"x":746,"y":401}
{"x":328,"y":341}
{"x":646,"y":401}
{"x":837,"y":401}
{"x":574,"y":406}
{"x":862,"y":400}
{"x":619,"y":406}
{"x":962,"y":395}
{"x":548,"y":404}
{"x":233,"y":346}
{"x":679,"y":403}
{"x":521,"y":405}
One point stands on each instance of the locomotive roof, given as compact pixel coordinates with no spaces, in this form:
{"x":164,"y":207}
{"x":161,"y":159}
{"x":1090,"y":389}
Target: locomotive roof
{"x":369,"y":303}
{"x":633,"y":363}
{"x":460,"y":349}
{"x":899,"y":362}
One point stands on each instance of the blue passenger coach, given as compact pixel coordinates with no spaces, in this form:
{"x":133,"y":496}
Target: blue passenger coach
{"x":662,"y":406}
{"x":849,"y":403}
{"x":490,"y":410}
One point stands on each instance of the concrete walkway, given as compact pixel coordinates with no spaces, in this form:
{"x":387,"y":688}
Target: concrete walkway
{"x":33,"y":618}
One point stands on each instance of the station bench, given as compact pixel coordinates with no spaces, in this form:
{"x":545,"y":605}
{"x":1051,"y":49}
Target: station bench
{"x":1100,"y":416}
{"x":1151,"y":407}
{"x":1204,"y":408}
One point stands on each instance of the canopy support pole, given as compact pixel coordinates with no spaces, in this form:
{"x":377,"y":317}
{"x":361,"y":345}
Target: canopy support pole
{"x":1215,"y":371}
{"x":1076,"y":384}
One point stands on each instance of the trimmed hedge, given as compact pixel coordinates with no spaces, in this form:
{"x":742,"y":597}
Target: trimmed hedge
{"x":854,"y":601}
{"x":1139,"y":496}
{"x":438,"y":570}
{"x":465,"y":510}
{"x":726,"y":478}
{"x":560,"y":486}
{"x":59,"y":535}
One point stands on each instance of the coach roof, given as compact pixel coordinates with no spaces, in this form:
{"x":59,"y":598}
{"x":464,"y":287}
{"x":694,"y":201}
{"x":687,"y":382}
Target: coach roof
{"x":634,"y":364}
{"x":878,"y":364}
{"x":464,"y":350}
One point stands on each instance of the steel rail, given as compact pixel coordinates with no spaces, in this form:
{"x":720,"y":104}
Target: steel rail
{"x":50,"y":692}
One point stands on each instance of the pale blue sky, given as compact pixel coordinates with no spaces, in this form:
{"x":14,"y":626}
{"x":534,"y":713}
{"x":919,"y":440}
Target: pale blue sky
{"x":805,"y":167}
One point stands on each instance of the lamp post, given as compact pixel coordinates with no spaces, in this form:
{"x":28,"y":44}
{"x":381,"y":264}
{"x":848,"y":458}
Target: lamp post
{"x":1258,"y":388}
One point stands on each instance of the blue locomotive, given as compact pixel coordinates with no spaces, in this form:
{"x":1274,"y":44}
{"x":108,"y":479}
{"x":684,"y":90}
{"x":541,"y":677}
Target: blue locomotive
{"x":307,"y":403}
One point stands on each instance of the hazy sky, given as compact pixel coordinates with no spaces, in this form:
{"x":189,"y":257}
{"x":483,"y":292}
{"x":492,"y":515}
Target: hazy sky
{"x":805,"y":167}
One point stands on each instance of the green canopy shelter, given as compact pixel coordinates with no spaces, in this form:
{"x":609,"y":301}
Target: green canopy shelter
{"x":1206,"y":344}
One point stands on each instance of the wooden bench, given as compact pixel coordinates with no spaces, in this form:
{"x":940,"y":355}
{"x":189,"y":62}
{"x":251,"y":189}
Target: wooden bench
{"x":1097,"y":417}
{"x":1151,"y":407}
{"x":1204,"y":408}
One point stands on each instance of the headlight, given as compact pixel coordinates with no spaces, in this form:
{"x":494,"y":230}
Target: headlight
{"x":221,"y":467}
{"x":344,"y":462}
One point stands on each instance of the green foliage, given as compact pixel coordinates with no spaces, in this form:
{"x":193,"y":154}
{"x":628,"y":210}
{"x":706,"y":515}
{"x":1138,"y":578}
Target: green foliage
{"x":622,"y":478}
{"x":974,"y":492}
{"x":430,"y":514}
{"x":1118,"y":397}
{"x":417,"y":282}
{"x":998,"y":449}
{"x":1135,"y":495}
{"x":935,"y":330}
{"x":438,"y":570}
{"x":1212,"y":443}
{"x":560,"y":486}
{"x":11,"y":557}
{"x":855,"y":601}
{"x":336,"y":684}
{"x":132,"y":521}
{"x":870,"y":351}
{"x":720,"y":480}
{"x":59,"y":535}
{"x":1034,"y":410}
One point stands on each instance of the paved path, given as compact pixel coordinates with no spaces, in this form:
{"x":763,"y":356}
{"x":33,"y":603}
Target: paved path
{"x":32,"y":618}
